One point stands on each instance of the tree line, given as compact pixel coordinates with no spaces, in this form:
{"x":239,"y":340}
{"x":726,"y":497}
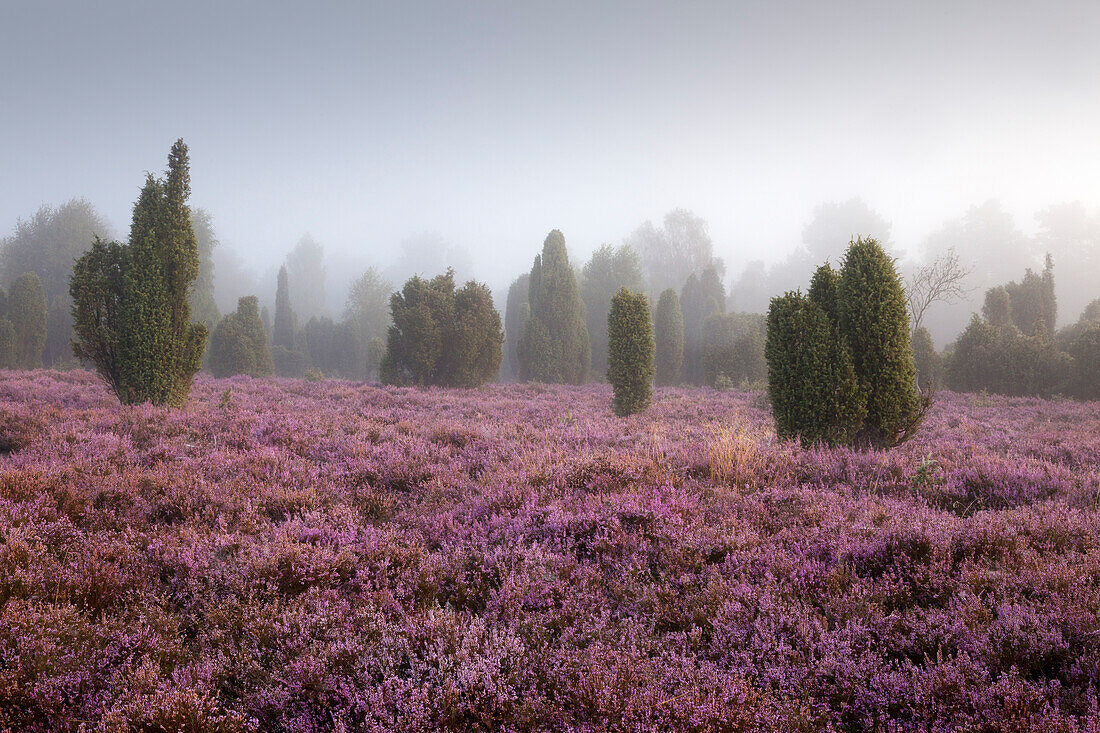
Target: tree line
{"x":556,"y":324}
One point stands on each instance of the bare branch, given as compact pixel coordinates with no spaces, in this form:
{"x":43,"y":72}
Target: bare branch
{"x":941,"y":280}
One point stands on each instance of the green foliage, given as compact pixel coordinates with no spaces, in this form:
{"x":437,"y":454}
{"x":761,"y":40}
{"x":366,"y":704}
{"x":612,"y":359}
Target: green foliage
{"x":442,"y":337}
{"x":609,"y":269}
{"x":997,"y":308}
{"x":282,"y":333}
{"x":700,"y":298}
{"x":203,"y":308}
{"x":812,"y":383}
{"x":476,"y":343}
{"x":1032,"y":303}
{"x":825,"y":291}
{"x":733,"y":348}
{"x":47,"y":244}
{"x":1003,"y":360}
{"x":376,"y":351}
{"x":630,"y":352}
{"x":367,"y":313}
{"x":555,"y":346}
{"x":333,"y":347}
{"x":289,"y":362}
{"x":516,"y":312}
{"x":1013,"y":351}
{"x":27,"y":313}
{"x":131,"y":315}
{"x":668,"y":328}
{"x":840,"y":362}
{"x":874,"y":320}
{"x":928,"y":362}
{"x":239,"y":343}
{"x":1086,"y":363}
{"x":7,"y":344}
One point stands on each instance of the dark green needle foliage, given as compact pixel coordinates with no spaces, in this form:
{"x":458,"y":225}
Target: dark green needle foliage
{"x":131,"y":314}
{"x":814,"y":392}
{"x":239,"y":343}
{"x":874,"y":319}
{"x":27,"y":313}
{"x":668,"y":329}
{"x":840,"y":361}
{"x":630,"y":352}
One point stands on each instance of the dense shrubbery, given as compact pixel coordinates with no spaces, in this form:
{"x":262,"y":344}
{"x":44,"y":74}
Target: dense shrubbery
{"x":27,"y":312}
{"x":840,"y":364}
{"x":441,"y":336}
{"x":328,"y":556}
{"x":609,"y":269}
{"x":555,"y":347}
{"x":733,"y":348}
{"x":927,"y":361}
{"x":630,"y":352}
{"x":131,"y":314}
{"x":700,"y":298}
{"x":815,"y":395}
{"x":239,"y":343}
{"x":668,"y":332}
{"x":46,"y":244}
{"x":1011,"y":349}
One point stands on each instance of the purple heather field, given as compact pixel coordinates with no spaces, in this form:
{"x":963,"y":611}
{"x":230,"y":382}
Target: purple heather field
{"x":330,"y":556}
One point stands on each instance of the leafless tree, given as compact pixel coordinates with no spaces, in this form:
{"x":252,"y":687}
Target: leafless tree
{"x":941,"y":280}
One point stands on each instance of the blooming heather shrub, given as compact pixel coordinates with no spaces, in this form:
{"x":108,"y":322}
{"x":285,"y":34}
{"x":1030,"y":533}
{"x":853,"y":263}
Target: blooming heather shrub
{"x":340,"y":556}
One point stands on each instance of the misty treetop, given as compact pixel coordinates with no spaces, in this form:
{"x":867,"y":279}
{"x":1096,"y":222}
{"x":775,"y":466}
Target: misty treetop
{"x":555,"y":345}
{"x":130,"y":301}
{"x":440,"y":336}
{"x":26,"y":310}
{"x":239,"y":343}
{"x":46,"y":244}
{"x":608,"y":270}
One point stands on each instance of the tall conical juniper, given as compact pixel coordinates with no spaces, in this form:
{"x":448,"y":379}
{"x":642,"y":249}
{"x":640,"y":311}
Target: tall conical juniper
{"x":131,"y":314}
{"x":555,"y":345}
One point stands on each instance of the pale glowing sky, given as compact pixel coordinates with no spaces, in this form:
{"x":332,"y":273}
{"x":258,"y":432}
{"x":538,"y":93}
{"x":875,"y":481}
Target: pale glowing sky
{"x":494,"y":122}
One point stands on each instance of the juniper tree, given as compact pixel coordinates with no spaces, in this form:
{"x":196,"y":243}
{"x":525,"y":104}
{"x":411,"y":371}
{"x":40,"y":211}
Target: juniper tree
{"x":442,"y":337}
{"x":630,"y":351}
{"x":516,"y":312}
{"x":239,"y":343}
{"x":874,"y":320}
{"x":131,"y":314}
{"x":609,"y":269}
{"x":555,"y":345}
{"x":477,"y":338}
{"x":27,"y":313}
{"x":812,"y":384}
{"x":46,"y":244}
{"x":668,"y":329}
{"x":284,"y":327}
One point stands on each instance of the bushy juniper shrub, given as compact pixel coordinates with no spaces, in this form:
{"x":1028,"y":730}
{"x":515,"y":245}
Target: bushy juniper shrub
{"x":630,"y":352}
{"x":840,"y":364}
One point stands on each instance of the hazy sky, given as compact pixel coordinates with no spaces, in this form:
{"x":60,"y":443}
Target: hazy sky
{"x":494,"y":122}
